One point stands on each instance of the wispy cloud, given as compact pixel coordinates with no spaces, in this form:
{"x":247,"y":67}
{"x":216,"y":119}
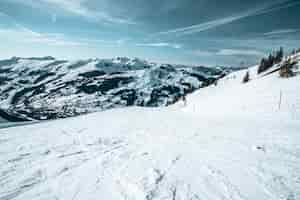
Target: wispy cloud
{"x":281,"y":32}
{"x":20,"y":33}
{"x":202,"y":53}
{"x":200,"y":27}
{"x":25,"y":35}
{"x":278,"y":5}
{"x":77,"y":7}
{"x":227,"y":52}
{"x":161,"y":44}
{"x":107,"y":43}
{"x":237,"y":52}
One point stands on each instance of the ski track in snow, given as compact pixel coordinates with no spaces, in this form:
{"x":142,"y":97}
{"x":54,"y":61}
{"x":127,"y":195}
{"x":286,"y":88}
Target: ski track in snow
{"x":231,"y":142}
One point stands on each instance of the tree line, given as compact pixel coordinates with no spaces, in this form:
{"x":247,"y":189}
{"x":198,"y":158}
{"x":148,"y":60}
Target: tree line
{"x":273,"y":58}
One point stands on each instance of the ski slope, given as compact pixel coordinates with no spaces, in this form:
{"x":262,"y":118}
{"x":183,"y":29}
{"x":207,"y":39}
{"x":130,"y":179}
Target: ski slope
{"x":232,"y":141}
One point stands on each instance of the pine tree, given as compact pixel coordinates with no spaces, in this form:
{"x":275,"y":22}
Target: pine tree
{"x":246,"y":77}
{"x":279,"y":55}
{"x":286,"y":70}
{"x":261,"y":66}
{"x":274,"y":58}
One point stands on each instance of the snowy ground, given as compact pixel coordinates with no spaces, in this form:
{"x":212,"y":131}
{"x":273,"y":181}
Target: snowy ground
{"x":231,"y":142}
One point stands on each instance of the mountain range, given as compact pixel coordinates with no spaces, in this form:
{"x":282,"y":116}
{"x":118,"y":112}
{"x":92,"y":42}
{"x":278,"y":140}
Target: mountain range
{"x":47,"y":88}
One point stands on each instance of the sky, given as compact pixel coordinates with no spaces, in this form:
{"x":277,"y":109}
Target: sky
{"x":196,"y":32}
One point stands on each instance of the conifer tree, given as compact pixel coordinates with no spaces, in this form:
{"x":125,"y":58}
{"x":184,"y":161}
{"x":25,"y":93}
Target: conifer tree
{"x":246,"y":77}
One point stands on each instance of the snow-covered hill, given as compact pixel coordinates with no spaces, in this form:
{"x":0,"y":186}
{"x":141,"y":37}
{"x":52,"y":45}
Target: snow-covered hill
{"x":232,"y":141}
{"x":46,"y":88}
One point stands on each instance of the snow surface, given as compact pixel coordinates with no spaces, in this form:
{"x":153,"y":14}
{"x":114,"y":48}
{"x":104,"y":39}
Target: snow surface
{"x":232,"y":141}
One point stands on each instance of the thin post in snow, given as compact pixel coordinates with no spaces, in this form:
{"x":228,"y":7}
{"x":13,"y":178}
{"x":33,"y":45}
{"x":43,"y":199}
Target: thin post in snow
{"x":280,"y":99}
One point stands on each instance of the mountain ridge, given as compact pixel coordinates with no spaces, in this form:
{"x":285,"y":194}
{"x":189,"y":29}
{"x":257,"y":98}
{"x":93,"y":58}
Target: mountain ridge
{"x":40,"y":88}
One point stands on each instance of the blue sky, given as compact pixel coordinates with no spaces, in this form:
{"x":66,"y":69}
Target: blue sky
{"x":207,"y":32}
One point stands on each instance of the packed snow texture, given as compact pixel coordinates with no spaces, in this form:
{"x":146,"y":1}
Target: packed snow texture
{"x":231,"y":141}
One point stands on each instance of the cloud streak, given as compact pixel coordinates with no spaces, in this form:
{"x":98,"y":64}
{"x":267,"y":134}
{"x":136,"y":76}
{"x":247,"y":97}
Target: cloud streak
{"x":227,"y":20}
{"x":281,"y":32}
{"x":237,"y":52}
{"x":25,"y":35}
{"x":161,"y":44}
{"x":21,"y":34}
{"x":228,"y":52}
{"x":76,"y":7}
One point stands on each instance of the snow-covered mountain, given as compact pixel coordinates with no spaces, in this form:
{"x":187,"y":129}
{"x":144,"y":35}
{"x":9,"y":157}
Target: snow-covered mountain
{"x":232,"y":141}
{"x":46,"y":88}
